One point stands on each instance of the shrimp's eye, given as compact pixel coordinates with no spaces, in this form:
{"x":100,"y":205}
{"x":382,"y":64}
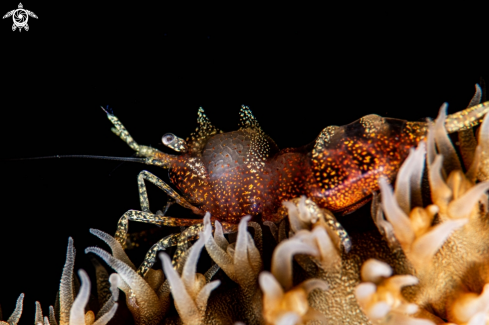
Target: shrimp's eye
{"x":168,"y":138}
{"x":172,"y":141}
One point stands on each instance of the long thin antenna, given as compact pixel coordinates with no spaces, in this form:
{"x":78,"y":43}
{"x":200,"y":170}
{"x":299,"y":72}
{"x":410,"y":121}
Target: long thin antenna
{"x":131,"y":159}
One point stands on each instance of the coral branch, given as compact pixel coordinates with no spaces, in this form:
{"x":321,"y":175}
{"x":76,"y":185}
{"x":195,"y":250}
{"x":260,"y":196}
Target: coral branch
{"x":380,"y":296}
{"x":77,"y":311}
{"x":146,"y":308}
{"x":191,"y":291}
{"x":291,"y":307}
{"x":66,"y":294}
{"x":15,"y":317}
{"x":243,"y":263}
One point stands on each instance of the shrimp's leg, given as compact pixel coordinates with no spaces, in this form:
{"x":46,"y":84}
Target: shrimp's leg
{"x":143,"y":195}
{"x":147,"y":217}
{"x":150,"y":257}
{"x":122,"y":133}
{"x":180,"y":240}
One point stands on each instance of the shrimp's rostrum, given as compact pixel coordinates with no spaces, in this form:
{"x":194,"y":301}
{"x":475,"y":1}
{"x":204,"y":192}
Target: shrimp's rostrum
{"x":243,"y":172}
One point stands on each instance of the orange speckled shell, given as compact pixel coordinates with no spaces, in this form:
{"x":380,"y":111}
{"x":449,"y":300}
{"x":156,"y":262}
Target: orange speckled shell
{"x":242,"y":172}
{"x":345,"y":167}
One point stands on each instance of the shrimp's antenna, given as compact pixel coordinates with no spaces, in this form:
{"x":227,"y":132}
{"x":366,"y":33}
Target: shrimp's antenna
{"x":131,"y":159}
{"x":119,"y":165}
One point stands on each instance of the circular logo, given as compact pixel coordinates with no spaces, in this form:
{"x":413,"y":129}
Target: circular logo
{"x":20,"y":17}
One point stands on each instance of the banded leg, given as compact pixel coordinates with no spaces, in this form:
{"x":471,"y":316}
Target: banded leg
{"x":133,"y":238}
{"x":122,"y":133}
{"x":147,"y":217}
{"x":150,"y":258}
{"x":181,"y":241}
{"x":189,"y":234}
{"x":143,"y":194}
{"x":345,"y":240}
{"x":192,"y":233}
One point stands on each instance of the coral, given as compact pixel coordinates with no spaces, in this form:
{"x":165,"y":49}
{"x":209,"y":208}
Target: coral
{"x":15,"y":317}
{"x":141,"y":299}
{"x":424,"y":261}
{"x":241,"y":261}
{"x":380,"y":295}
{"x":192,"y":290}
{"x":282,"y":303}
{"x":449,"y":256}
{"x":71,"y":309}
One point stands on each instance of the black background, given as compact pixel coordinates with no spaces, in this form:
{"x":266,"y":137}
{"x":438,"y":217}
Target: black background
{"x":299,"y":69}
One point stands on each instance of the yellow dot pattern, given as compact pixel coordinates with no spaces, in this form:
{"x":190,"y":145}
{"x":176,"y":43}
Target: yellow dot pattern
{"x":199,"y":137}
{"x":242,"y":172}
{"x":347,"y":161}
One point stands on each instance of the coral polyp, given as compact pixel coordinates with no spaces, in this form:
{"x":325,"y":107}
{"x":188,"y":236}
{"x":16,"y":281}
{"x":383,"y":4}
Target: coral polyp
{"x":425,"y":261}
